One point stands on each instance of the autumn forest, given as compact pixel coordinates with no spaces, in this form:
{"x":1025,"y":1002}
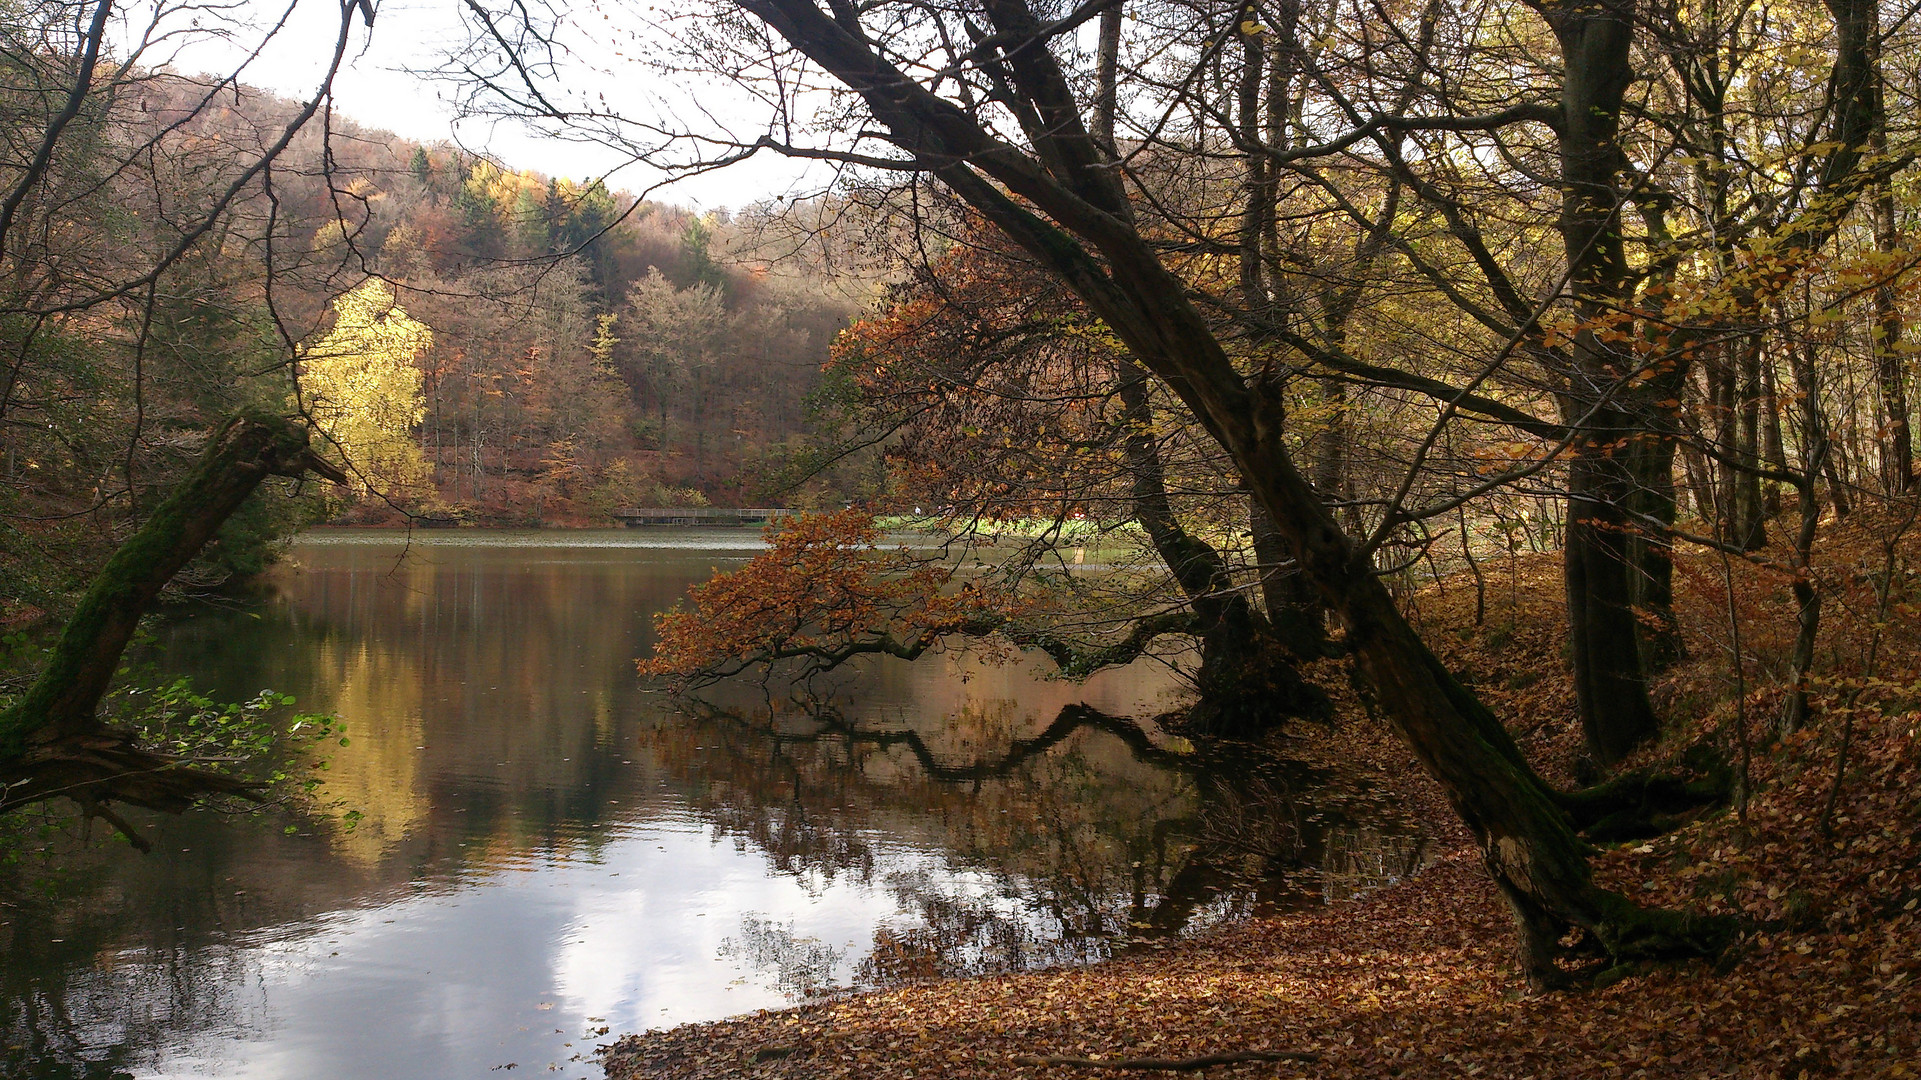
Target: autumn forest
{"x":1512,"y":403}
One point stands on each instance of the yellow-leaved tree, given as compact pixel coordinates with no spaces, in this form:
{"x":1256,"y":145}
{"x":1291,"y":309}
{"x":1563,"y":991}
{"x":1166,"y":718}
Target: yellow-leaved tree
{"x":362,"y":388}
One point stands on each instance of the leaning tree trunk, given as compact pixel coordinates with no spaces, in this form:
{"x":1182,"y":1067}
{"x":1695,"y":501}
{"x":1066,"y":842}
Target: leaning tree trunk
{"x":52,"y":742}
{"x":1526,"y":840}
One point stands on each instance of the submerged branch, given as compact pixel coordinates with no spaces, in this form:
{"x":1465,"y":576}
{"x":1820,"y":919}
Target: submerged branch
{"x":1073,"y":660}
{"x":1071,"y":719}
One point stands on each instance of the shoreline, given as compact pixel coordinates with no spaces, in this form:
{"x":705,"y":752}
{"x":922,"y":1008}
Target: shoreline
{"x":1416,"y":979}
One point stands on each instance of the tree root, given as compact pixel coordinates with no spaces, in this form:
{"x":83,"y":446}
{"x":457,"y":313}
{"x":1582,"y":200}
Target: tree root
{"x":1631,"y":934}
{"x":1172,"y":1064}
{"x":101,"y":766}
{"x":1614,"y":937}
{"x":1643,"y":804}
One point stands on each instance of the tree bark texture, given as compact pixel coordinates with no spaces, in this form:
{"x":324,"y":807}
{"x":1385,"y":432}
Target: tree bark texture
{"x":51,"y":740}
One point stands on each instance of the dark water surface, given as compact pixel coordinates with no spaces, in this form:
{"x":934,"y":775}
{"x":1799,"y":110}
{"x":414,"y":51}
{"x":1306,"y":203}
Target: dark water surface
{"x":548,"y":856}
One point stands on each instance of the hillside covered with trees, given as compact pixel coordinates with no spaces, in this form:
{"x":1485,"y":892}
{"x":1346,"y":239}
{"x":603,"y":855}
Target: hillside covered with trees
{"x":475,"y":344}
{"x":586,"y":351}
{"x":1294,"y":314}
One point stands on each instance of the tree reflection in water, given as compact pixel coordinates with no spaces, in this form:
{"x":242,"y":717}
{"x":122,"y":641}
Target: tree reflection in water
{"x":1066,"y":843}
{"x":517,"y":782}
{"x":801,"y":966}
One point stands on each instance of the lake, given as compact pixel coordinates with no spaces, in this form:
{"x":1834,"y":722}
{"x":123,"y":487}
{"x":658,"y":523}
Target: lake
{"x":548,"y":854}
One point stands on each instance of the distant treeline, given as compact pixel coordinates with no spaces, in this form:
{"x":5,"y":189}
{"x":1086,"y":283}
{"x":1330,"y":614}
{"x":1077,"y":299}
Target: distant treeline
{"x":553,"y":348}
{"x":477,"y":344}
{"x":588,"y":351}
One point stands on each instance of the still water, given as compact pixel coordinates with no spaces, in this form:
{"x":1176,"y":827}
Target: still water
{"x":548,"y":855}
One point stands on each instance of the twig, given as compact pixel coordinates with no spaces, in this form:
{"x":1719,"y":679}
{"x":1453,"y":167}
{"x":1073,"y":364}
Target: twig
{"x":1172,"y":1064}
{"x":1480,"y":583}
{"x":120,"y":825}
{"x":1740,"y":687}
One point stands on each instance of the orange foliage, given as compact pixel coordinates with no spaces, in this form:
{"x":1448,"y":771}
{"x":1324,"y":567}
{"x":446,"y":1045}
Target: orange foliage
{"x":999,"y":385}
{"x":824,"y":590}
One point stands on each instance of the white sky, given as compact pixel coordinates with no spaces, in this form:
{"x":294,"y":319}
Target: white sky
{"x":513,"y":966}
{"x":378,"y":91}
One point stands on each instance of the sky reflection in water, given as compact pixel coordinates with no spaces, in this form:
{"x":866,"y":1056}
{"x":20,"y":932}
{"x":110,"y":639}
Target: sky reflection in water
{"x":550,"y":856}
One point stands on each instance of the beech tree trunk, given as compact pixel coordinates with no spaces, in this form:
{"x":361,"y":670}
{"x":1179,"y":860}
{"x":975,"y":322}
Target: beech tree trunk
{"x":1610,"y":686}
{"x":1774,"y":452}
{"x":1807,"y":596}
{"x":51,"y":740}
{"x":1650,"y":548}
{"x":1610,"y":683}
{"x":1294,"y":609}
{"x":1247,"y":677}
{"x":1888,"y":324}
{"x":1749,"y":529}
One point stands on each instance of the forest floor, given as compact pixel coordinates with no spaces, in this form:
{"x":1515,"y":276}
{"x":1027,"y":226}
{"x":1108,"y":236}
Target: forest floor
{"x":1417,"y":979}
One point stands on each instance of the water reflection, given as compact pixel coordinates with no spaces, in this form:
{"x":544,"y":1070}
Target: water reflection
{"x":547,"y":851}
{"x":1088,"y":833}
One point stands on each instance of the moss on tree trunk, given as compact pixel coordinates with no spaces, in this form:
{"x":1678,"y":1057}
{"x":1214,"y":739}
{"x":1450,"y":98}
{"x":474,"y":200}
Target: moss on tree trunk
{"x":52,"y":741}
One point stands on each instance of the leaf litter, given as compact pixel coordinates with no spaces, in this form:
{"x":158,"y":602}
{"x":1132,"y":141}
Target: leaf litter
{"x":1416,"y":979}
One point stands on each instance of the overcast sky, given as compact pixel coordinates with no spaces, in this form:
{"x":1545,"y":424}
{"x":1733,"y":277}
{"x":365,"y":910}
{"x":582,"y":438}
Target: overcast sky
{"x":378,"y":90}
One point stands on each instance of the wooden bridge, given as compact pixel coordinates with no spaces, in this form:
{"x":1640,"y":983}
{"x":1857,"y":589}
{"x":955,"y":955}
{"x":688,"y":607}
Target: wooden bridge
{"x":702,"y":515}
